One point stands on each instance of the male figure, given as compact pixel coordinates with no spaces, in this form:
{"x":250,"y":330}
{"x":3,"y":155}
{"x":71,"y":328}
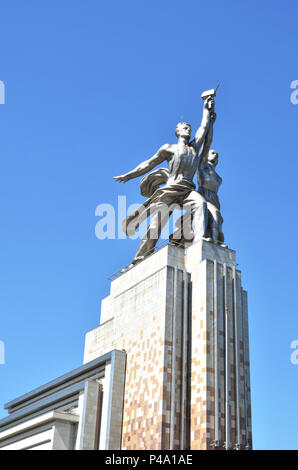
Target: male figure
{"x":183,"y":160}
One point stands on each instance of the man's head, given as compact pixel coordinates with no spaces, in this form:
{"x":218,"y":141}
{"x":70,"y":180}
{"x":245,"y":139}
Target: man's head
{"x":183,"y":129}
{"x":213,"y":157}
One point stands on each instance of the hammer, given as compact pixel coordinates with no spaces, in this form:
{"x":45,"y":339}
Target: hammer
{"x":209,"y":94}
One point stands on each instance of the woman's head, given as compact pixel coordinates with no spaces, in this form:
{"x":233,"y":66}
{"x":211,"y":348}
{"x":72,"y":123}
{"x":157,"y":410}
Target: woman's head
{"x":213,"y":157}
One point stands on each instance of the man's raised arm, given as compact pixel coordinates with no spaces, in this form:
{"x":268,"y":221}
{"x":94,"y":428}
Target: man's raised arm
{"x":207,"y":143}
{"x":202,"y":131}
{"x":162,"y":154}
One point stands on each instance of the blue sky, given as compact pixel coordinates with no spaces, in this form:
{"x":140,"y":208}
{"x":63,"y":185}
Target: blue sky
{"x":92,"y":89}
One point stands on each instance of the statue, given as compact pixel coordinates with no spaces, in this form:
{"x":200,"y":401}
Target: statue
{"x":202,"y":218}
{"x":209,"y":182}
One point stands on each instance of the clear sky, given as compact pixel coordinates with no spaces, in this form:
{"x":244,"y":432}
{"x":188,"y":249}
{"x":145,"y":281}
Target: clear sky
{"x":93,"y":88}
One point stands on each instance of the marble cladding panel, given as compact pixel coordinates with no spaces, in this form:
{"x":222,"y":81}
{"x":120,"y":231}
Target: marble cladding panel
{"x":138,"y":318}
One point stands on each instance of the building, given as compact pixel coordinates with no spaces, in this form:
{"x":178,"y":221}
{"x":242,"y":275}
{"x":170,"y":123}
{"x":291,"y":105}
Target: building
{"x":167,"y":368}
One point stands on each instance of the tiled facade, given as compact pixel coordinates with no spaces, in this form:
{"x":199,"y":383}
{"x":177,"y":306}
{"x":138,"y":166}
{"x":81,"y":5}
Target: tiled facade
{"x":170,"y":313}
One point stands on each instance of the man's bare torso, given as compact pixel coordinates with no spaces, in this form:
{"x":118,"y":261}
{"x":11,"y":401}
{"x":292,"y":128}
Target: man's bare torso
{"x":183,"y":162}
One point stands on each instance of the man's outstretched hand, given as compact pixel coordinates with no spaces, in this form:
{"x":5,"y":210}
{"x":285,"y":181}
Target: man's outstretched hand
{"x":121,"y":178}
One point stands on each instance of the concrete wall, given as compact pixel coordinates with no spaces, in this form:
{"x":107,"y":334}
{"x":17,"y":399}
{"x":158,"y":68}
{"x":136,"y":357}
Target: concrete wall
{"x":144,"y":316}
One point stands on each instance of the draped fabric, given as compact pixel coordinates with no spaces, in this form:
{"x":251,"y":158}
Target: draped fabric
{"x":172,"y":195}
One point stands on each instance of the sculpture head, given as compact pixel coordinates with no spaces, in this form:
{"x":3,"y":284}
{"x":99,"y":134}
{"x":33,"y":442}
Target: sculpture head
{"x":183,"y":129}
{"x":213,"y":157}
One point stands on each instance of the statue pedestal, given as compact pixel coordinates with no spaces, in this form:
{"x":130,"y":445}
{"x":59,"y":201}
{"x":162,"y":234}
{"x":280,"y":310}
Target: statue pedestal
{"x":181,"y":317}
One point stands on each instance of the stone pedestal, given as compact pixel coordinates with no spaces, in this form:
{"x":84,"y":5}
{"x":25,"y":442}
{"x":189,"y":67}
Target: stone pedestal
{"x":181,"y":317}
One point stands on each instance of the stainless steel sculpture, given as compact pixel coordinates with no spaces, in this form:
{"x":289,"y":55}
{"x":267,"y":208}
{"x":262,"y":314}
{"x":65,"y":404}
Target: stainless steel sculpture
{"x":202,"y":218}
